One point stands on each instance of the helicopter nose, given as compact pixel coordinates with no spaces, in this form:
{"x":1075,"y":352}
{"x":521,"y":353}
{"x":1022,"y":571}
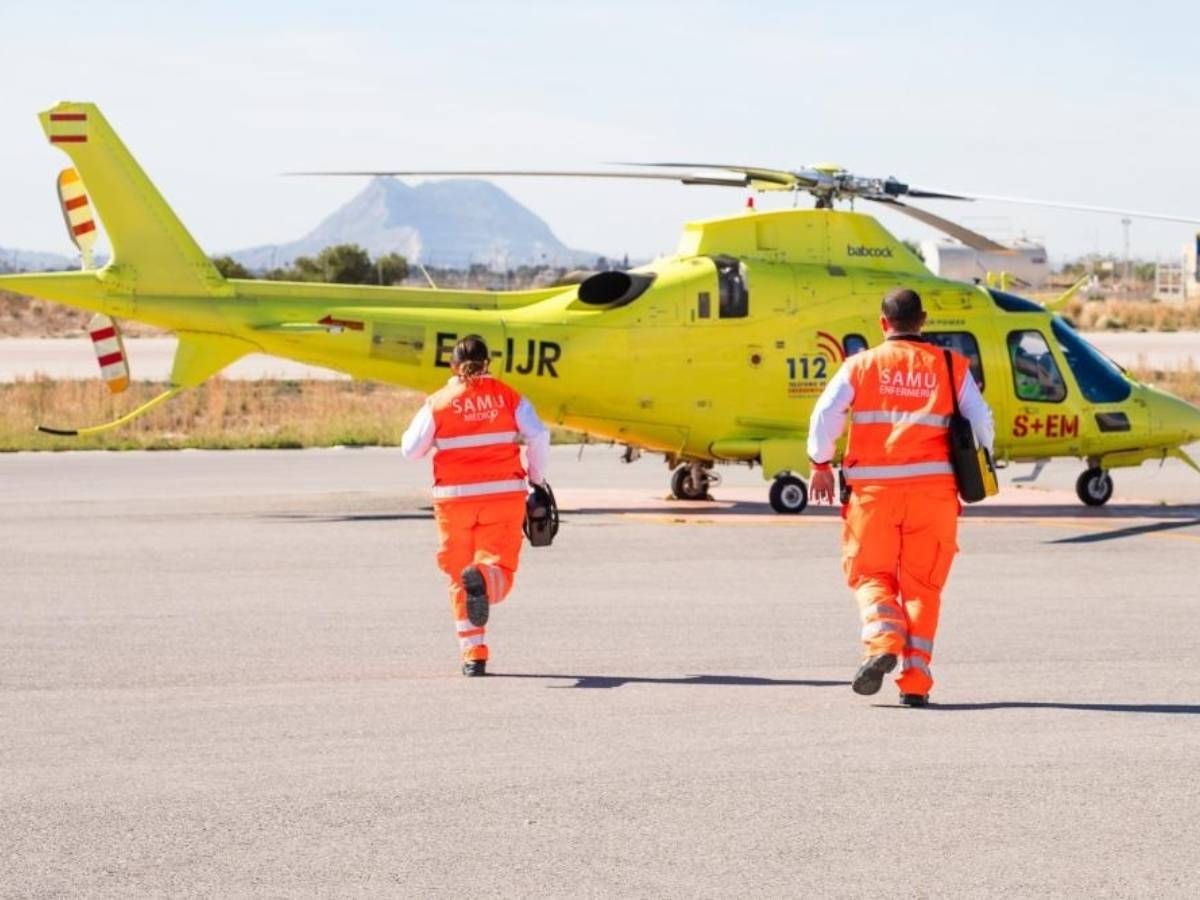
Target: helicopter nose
{"x":1172,"y":418}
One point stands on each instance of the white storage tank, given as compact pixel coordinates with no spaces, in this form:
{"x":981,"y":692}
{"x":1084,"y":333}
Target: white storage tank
{"x":1025,"y":260}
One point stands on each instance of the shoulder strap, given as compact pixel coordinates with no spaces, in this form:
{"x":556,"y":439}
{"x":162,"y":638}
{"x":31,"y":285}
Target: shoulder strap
{"x":953,"y":386}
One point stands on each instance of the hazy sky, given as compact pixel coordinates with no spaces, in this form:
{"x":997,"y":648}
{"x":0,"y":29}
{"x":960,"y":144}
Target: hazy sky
{"x":1091,"y":102}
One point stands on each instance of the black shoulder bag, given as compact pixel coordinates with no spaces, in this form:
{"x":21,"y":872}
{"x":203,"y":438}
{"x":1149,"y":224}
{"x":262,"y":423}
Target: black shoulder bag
{"x":973,"y":469}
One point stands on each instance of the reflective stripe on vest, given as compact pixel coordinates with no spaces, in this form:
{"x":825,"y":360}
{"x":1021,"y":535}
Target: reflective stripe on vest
{"x":479,"y":488}
{"x":898,"y":417}
{"x":476,"y":440}
{"x":906,"y":470}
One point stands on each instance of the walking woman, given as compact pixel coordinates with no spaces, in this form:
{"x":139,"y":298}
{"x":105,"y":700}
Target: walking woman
{"x":474,"y":424}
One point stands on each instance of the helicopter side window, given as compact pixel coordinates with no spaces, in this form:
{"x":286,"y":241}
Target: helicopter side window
{"x":960,"y":342}
{"x":1035,"y":373}
{"x":1098,"y":377}
{"x":854,"y":343}
{"x":734,"y":299}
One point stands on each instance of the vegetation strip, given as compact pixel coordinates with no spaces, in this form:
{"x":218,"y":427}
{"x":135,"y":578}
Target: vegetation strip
{"x":233,"y":415}
{"x":218,"y":415}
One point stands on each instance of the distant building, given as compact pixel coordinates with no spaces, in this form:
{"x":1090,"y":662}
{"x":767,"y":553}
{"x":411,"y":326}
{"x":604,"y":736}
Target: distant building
{"x":1179,"y":280}
{"x":1026,"y":261}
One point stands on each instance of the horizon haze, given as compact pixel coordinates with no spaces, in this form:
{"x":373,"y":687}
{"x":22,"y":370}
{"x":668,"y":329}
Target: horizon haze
{"x":1069,"y":102}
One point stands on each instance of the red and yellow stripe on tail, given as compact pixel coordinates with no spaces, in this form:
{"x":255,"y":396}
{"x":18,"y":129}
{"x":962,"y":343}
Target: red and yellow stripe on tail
{"x":110,"y":352}
{"x":77,"y":211}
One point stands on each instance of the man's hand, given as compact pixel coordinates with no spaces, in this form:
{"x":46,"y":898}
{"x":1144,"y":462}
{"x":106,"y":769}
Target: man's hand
{"x":822,"y":488}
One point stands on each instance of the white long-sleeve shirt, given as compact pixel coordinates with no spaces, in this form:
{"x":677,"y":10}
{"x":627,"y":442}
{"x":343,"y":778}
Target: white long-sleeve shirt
{"x":833,"y":406}
{"x":419,"y":437}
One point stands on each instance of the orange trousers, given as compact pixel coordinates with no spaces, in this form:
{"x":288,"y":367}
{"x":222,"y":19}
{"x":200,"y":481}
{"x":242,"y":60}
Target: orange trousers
{"x":485,"y":532}
{"x":898,"y":544}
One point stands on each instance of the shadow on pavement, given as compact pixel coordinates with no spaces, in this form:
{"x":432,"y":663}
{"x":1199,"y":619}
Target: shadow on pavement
{"x":351,"y":517}
{"x":615,"y":681}
{"x":1079,"y":511}
{"x":1131,"y":531}
{"x":1167,"y":708}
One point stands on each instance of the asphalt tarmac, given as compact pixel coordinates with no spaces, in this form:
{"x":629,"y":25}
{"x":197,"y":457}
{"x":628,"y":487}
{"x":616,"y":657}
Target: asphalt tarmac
{"x":228,"y":674}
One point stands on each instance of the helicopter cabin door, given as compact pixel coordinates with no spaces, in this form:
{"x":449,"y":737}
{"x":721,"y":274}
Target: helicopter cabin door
{"x":958,"y":321}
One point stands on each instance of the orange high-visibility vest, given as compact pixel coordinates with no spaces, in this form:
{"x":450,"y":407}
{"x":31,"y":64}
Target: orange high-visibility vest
{"x":476,"y":435}
{"x":900,"y":417}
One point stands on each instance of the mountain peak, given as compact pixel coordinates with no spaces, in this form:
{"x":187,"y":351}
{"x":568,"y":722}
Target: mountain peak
{"x":452,"y":223}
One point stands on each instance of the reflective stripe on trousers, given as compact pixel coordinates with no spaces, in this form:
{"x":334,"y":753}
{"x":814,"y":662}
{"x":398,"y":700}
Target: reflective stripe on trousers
{"x":478,"y":489}
{"x":907,"y":470}
{"x":921,"y":644}
{"x":497,"y":582}
{"x":915,"y":662}
{"x":476,"y":440}
{"x":883,"y":610}
{"x":882,"y":626}
{"x":898,"y":417}
{"x":468,"y":635}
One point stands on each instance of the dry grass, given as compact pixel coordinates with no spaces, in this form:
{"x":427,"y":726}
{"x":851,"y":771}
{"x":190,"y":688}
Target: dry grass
{"x":1133,"y":315}
{"x":1183,"y":383}
{"x":220,"y":414}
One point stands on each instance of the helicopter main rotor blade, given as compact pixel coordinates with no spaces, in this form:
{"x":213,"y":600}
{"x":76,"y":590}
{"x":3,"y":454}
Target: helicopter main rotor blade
{"x":780,"y":177}
{"x":935,"y":195}
{"x":534,"y":173}
{"x":827,"y":183}
{"x":972,"y":239}
{"x":1083,"y":208}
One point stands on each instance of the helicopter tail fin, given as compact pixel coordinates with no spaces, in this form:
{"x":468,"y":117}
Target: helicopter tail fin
{"x":151,"y":247}
{"x":1059,"y":303}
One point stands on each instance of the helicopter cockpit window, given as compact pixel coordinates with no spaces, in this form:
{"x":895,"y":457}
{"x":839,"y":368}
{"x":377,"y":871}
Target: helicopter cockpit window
{"x":854,"y":343}
{"x":1097,"y":376}
{"x":734,"y":299}
{"x":1035,"y":374}
{"x":960,"y":342}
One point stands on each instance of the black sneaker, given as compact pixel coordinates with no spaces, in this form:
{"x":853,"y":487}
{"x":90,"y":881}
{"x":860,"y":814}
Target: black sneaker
{"x":475,"y":668}
{"x":914,"y":699}
{"x":477,"y":599}
{"x":869,"y":677}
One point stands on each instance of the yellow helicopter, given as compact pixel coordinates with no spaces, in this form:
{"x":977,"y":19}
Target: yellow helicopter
{"x":713,"y":355}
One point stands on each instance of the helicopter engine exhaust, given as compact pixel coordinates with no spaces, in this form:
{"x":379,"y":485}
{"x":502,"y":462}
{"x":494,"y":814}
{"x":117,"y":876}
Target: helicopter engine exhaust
{"x":614,"y":288}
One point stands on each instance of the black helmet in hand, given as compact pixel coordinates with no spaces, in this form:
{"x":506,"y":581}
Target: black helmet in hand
{"x":541,"y":516}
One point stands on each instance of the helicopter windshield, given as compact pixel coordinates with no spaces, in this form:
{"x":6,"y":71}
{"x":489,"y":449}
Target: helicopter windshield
{"x":1099,"y":378}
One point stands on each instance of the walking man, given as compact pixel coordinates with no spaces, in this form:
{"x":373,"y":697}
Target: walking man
{"x":901,"y":521}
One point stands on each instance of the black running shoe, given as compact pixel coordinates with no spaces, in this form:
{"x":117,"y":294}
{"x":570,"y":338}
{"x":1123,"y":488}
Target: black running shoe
{"x":477,"y":599}
{"x":914,"y":699}
{"x":869,"y":677}
{"x":475,"y":668}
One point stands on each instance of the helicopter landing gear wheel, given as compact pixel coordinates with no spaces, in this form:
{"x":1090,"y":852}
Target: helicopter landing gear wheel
{"x":691,"y":481}
{"x":789,"y":495}
{"x":1094,"y":487}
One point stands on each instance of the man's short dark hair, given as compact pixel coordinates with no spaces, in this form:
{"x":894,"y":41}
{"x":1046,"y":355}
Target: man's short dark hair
{"x":902,"y":308}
